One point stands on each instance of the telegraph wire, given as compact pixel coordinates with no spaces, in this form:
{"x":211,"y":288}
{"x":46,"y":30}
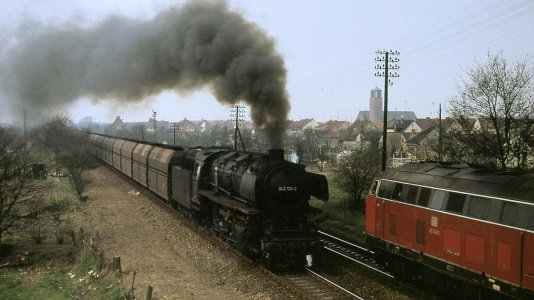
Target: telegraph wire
{"x":365,"y":65}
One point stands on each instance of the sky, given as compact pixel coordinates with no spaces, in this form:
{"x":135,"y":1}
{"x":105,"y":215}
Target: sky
{"x":329,"y":51}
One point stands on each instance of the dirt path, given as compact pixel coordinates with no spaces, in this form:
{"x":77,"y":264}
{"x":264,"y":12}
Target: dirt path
{"x":163,"y":249}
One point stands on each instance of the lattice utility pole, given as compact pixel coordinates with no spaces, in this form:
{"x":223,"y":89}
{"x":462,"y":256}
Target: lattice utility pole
{"x":440,"y":153}
{"x":155,"y":125}
{"x":173,"y":126}
{"x":386,"y":61}
{"x":25,"y":122}
{"x":237,"y":112}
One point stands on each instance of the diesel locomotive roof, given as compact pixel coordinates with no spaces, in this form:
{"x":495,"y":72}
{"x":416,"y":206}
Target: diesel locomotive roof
{"x":502,"y":184}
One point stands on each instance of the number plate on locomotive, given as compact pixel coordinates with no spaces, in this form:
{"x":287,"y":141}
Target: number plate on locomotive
{"x":287,"y":188}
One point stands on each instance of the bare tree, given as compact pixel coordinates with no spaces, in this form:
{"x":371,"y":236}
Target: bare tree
{"x":77,"y":158}
{"x":355,"y":172}
{"x":20,"y":196}
{"x":309,"y":148}
{"x":495,"y":108}
{"x":70,"y":149}
{"x":54,"y":136}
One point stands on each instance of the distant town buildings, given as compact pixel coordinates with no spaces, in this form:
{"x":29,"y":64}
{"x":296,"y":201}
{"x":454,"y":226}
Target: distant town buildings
{"x":408,"y":138}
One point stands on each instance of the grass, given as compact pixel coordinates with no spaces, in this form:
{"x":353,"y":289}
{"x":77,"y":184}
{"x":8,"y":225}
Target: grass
{"x":48,"y":277}
{"x":337,"y":215}
{"x":80,"y":282}
{"x":58,"y":205}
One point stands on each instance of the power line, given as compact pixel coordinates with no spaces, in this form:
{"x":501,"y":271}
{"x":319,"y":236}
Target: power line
{"x":426,"y":39}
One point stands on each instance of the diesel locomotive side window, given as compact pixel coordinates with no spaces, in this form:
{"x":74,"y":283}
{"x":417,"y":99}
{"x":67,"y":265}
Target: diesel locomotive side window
{"x":485,"y":208}
{"x":525,"y":216}
{"x":455,"y":203}
{"x":411,"y":194}
{"x":424,"y":197}
{"x":495,"y":210}
{"x":397,"y":192}
{"x":386,"y":189}
{"x":509,"y":213}
{"x":438,"y":197}
{"x":479,"y":207}
{"x":530,"y":224}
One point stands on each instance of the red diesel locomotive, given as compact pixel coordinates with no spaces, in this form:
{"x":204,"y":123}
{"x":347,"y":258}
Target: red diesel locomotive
{"x":426,"y":220}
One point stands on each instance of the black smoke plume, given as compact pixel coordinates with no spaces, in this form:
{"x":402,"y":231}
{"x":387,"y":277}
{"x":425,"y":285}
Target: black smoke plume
{"x":184,"y":48}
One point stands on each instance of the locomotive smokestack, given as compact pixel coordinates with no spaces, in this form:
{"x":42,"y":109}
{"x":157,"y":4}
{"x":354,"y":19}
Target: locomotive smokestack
{"x":200,"y":44}
{"x":276,"y":153}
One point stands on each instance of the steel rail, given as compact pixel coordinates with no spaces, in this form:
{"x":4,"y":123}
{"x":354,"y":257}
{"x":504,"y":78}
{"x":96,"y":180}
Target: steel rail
{"x":345,"y":242}
{"x":355,"y":254}
{"x":334,"y":284}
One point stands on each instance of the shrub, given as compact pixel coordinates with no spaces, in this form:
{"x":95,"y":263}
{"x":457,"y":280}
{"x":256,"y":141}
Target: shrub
{"x":38,"y":234}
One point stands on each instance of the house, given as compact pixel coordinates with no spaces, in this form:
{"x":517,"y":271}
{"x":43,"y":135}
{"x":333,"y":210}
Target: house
{"x":361,"y":126}
{"x":403,"y":126}
{"x":118,"y":124}
{"x":395,"y":144}
{"x":117,"y":128}
{"x":358,"y":133}
{"x":187,"y":126}
{"x":424,"y":145}
{"x":297,"y":128}
{"x":483,"y":125}
{"x":425,"y":123}
{"x":332,"y":132}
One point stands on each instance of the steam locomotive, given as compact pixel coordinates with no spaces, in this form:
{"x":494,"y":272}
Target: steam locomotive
{"x":456,"y":227}
{"x":258,"y":202}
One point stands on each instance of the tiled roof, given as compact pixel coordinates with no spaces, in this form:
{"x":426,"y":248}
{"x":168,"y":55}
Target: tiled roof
{"x":418,"y":138}
{"x":299,"y":124}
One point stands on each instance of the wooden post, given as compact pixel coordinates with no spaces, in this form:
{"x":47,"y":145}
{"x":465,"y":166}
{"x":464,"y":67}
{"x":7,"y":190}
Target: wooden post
{"x":80,"y":238}
{"x":116,"y":265}
{"x":81,"y":243}
{"x":148,"y":293}
{"x":100,"y":263}
{"x":133,"y":280}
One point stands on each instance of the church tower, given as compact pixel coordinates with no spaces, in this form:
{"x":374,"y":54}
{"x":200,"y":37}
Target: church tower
{"x":375,"y":106}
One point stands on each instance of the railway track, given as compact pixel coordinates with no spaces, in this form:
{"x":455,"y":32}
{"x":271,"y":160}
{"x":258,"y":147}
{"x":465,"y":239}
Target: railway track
{"x":353,"y":252}
{"x":311,"y":285}
{"x":306,"y":285}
